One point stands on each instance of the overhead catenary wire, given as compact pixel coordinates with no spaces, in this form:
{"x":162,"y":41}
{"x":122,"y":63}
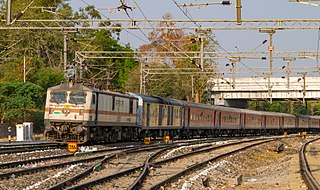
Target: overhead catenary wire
{"x":123,"y":29}
{"x":215,"y":41}
{"x":145,"y":17}
{"x":212,"y":38}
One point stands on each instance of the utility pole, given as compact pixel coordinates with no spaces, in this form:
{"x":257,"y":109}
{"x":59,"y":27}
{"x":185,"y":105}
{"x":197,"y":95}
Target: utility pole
{"x":238,"y":7}
{"x":24,"y":69}
{"x":65,"y":38}
{"x":233,"y":61}
{"x":192,"y":88}
{"x":201,"y":51}
{"x":24,"y":81}
{"x":271,"y":49}
{"x":141,"y":77}
{"x":304,"y":87}
{"x":9,"y":5}
{"x":288,"y":60}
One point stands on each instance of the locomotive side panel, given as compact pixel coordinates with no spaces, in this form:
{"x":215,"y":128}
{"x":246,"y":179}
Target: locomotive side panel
{"x":115,"y":110}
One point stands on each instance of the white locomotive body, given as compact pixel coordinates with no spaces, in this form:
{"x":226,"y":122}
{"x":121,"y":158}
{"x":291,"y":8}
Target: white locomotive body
{"x":75,"y":112}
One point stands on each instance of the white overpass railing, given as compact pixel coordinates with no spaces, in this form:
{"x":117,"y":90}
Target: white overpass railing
{"x":223,"y":89}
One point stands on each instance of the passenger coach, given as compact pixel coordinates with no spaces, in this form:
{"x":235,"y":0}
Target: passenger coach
{"x":75,"y":112}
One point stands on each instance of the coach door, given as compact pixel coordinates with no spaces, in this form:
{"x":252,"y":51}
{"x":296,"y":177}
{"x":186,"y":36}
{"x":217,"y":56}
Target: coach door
{"x":263,"y":122}
{"x":242,"y":120}
{"x":217,"y":120}
{"x":189,"y":115}
{"x":148,"y":116}
{"x":182,"y":121}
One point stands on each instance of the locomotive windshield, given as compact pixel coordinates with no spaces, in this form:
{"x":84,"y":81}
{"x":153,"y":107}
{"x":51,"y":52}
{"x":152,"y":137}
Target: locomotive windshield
{"x":77,"y":97}
{"x":58,"y":97}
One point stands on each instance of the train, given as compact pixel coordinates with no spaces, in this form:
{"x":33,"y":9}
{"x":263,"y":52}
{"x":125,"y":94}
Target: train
{"x":76,"y":112}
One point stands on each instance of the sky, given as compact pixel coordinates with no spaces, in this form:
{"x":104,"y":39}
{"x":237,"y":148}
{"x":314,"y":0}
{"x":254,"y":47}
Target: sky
{"x":285,"y":40}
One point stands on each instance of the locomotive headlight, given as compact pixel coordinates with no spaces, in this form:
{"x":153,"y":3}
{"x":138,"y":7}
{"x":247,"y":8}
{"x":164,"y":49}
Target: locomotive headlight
{"x":81,"y":112}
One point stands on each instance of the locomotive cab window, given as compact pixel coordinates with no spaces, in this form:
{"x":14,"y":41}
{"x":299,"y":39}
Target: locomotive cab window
{"x":58,"y":97}
{"x":77,"y":98}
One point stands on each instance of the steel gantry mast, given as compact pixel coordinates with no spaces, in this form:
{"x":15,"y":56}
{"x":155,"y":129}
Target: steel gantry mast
{"x":206,"y":24}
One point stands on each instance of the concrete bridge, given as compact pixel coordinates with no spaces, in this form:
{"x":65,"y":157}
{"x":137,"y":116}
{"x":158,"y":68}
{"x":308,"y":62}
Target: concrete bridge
{"x":236,"y":92}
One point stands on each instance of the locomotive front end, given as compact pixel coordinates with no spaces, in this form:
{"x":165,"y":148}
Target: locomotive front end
{"x":65,"y":114}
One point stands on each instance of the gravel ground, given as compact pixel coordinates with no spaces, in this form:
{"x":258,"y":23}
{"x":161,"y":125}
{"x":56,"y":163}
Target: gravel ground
{"x":257,"y":168}
{"x":43,"y":179}
{"x":116,"y":165}
{"x":160,"y":173}
{"x":4,"y":158}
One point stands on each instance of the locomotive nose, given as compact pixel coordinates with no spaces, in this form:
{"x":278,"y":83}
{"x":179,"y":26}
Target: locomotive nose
{"x":65,"y":111}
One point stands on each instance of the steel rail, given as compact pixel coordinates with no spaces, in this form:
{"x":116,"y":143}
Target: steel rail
{"x":307,"y":176}
{"x":202,"y":164}
{"x":136,"y":183}
{"x":40,"y":168}
{"x":147,"y":164}
{"x":80,"y":175}
{"x":17,"y":163}
{"x":22,"y":149}
{"x":90,"y":169}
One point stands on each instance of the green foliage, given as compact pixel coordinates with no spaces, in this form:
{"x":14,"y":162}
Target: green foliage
{"x":275,"y":106}
{"x":17,"y":98}
{"x":46,"y":78}
{"x":43,"y":50}
{"x":288,"y":106}
{"x":37,"y":117}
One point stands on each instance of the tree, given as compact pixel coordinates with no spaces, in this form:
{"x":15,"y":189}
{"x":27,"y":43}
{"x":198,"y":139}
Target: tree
{"x":176,"y":43}
{"x":18,"y":100}
{"x":43,"y":50}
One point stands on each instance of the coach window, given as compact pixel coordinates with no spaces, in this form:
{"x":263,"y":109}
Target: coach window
{"x":58,"y":97}
{"x":131,"y":106}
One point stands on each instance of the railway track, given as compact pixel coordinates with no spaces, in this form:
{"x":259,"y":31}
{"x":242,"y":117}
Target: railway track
{"x":306,"y":173}
{"x":136,"y":177}
{"x":12,"y":149}
{"x":121,"y":166}
{"x":41,"y":175}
